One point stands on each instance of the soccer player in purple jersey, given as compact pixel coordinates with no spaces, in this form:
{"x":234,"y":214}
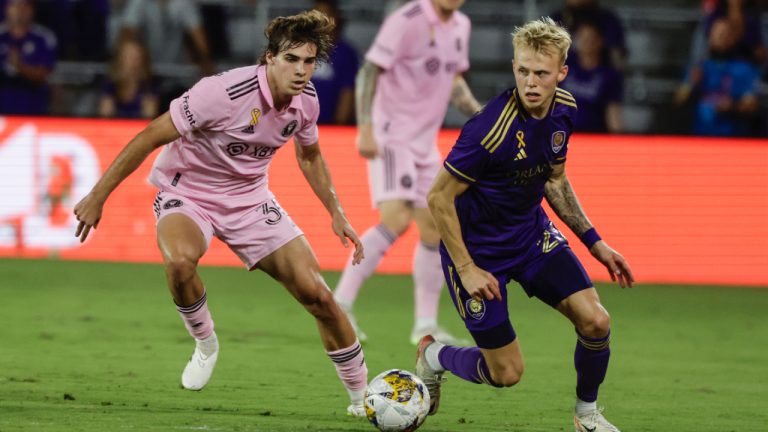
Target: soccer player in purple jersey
{"x":412,"y":71}
{"x":486,"y":202}
{"x":212,"y":175}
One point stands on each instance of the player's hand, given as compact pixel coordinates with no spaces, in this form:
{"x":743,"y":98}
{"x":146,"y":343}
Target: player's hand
{"x":88,"y":213}
{"x":479,"y":283}
{"x":616,"y":264}
{"x":344,"y":230}
{"x":366,"y":144}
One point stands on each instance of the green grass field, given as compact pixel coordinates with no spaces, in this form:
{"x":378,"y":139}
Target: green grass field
{"x":99,"y":347}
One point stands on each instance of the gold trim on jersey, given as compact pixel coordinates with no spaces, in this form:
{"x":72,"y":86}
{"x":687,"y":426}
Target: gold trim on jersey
{"x":452,"y":168}
{"x":507,"y":124}
{"x":456,"y":290}
{"x":517,"y":98}
{"x":493,"y":135}
{"x":565,"y":94}
{"x":565,"y":102}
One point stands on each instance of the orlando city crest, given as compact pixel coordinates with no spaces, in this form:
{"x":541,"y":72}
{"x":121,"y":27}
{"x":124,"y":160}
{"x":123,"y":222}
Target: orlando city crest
{"x":558,"y":141}
{"x":476,"y":308}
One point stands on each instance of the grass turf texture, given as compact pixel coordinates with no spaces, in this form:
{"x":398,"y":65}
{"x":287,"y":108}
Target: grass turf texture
{"x":99,"y":347}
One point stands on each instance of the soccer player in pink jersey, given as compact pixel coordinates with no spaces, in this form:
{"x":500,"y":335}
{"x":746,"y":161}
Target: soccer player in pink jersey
{"x":412,"y":71}
{"x":212,"y":179}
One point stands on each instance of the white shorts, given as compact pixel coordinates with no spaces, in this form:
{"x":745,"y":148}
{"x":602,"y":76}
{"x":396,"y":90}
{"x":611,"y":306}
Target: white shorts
{"x":398,"y":174}
{"x":252,"y":233}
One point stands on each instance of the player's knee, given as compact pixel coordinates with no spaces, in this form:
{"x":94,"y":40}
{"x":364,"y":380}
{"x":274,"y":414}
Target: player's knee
{"x":397,"y":219}
{"x":508,"y":376}
{"x":180,"y":268}
{"x":318,"y":302}
{"x":597,"y":325}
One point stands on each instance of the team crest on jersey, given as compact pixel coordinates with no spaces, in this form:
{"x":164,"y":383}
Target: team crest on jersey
{"x":476,"y":308}
{"x":289,"y":128}
{"x":406,"y":181}
{"x":172,"y":203}
{"x":432,"y":65}
{"x":255,"y":114}
{"x":558,"y":141}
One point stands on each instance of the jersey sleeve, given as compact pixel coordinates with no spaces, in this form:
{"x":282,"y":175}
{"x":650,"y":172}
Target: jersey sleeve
{"x":388,"y":46}
{"x":468,"y":158}
{"x":464,"y":65}
{"x":204,"y":106}
{"x":308,"y":134}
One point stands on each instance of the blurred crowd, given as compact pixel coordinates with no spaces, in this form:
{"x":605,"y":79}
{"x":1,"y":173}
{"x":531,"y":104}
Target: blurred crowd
{"x":719,"y":93}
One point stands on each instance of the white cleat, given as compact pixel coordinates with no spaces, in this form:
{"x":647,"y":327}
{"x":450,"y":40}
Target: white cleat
{"x":356,"y":410}
{"x":432,"y":379}
{"x":593,"y":422}
{"x":361,"y":336}
{"x":200,"y":366}
{"x":440,"y":334}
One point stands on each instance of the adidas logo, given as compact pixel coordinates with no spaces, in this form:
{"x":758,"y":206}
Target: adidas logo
{"x":521,"y":155}
{"x":248,"y":130}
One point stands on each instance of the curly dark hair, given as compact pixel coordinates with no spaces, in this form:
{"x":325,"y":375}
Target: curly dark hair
{"x":284,"y":33}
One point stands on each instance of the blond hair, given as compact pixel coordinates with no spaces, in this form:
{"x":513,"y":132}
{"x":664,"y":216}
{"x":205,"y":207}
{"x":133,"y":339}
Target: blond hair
{"x":543,"y":35}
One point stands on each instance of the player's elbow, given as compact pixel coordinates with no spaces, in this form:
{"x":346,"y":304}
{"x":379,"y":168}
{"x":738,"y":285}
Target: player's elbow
{"x":435,"y":200}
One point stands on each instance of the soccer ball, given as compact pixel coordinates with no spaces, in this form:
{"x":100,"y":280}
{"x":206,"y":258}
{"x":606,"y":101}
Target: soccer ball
{"x":396,"y":401}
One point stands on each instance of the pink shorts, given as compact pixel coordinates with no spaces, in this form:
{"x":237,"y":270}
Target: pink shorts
{"x":398,"y":174}
{"x":252,"y":233}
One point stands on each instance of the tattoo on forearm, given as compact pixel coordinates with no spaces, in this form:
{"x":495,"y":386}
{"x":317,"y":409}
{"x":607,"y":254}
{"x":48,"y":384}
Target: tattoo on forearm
{"x":463,"y":100}
{"x":562,"y":199}
{"x":365,"y":88}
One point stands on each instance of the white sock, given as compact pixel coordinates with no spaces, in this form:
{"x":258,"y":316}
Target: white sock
{"x":432,"y":353}
{"x":585,"y":407}
{"x":208,"y":345}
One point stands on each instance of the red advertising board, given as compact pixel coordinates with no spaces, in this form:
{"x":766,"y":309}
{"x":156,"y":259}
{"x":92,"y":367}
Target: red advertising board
{"x":681,"y":209}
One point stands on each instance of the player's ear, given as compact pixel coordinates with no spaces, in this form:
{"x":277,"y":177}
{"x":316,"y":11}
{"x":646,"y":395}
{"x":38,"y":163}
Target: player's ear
{"x":270,"y":58}
{"x":562,"y":74}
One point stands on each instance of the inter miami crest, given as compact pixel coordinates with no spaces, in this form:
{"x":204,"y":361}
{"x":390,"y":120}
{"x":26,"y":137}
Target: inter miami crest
{"x":289,"y":128}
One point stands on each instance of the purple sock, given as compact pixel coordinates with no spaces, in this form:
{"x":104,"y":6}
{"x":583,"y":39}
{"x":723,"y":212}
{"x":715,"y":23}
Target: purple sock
{"x":591,"y":361}
{"x":466,"y":363}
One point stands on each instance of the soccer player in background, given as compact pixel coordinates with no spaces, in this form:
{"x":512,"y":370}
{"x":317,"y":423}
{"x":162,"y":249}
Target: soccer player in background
{"x":486,"y":202}
{"x":411,"y":72}
{"x":223,"y":133}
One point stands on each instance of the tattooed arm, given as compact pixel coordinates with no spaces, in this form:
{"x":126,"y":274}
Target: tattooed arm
{"x":563,"y":201}
{"x":462,"y":98}
{"x":365,"y":89}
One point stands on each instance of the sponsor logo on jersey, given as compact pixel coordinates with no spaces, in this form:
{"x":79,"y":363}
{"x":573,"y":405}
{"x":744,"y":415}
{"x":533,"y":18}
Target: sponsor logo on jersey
{"x":432,"y":65}
{"x":558,"y":141}
{"x":475,"y":308}
{"x":289,"y":128}
{"x":236,"y":148}
{"x":187,"y":112}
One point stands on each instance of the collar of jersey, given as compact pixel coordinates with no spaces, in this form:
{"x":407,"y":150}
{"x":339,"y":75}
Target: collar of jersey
{"x":431,"y":13}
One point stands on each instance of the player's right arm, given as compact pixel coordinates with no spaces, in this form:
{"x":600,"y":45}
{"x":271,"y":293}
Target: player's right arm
{"x":158,"y":133}
{"x":477,"y":282}
{"x":365,"y":89}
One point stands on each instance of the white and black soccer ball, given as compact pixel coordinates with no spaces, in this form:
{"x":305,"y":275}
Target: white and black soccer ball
{"x":396,"y":401}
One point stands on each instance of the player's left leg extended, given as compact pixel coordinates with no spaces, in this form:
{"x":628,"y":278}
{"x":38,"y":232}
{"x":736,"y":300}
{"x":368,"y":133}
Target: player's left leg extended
{"x":591,"y":357}
{"x":428,"y":282}
{"x":294,"y":265}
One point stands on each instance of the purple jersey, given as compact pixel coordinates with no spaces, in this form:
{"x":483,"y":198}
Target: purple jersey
{"x":19,"y":95}
{"x":507,"y":156}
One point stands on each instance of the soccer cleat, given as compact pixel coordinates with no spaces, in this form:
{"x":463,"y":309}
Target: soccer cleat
{"x":432,"y":379}
{"x":200,"y":366}
{"x":356,"y":410}
{"x":361,"y":336}
{"x":593,"y":422}
{"x":439,"y":333}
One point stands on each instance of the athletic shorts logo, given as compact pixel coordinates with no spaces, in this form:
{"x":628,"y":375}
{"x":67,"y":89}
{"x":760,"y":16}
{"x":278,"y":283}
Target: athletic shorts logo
{"x":475,"y":308}
{"x":172,"y":203}
{"x":406,"y":181}
{"x":289,"y":128}
{"x":236,"y":148}
{"x":432,"y":65}
{"x":558,"y":141}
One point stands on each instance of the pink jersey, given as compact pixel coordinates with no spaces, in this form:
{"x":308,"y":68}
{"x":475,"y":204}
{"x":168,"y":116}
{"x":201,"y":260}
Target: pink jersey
{"x":421,"y":56}
{"x":230,"y":130}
